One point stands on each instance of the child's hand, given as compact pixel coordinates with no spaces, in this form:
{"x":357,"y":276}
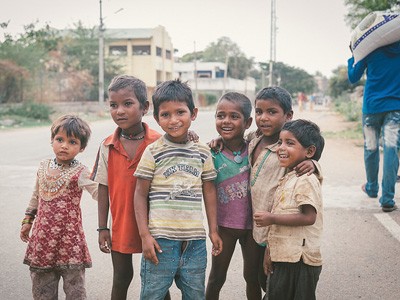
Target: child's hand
{"x":305,"y":167}
{"x":263,"y":218}
{"x":216,"y":144}
{"x":24,"y":233}
{"x":105,"y":241}
{"x":267,"y":263}
{"x":149,"y":248}
{"x":192,"y":136}
{"x":217,"y":243}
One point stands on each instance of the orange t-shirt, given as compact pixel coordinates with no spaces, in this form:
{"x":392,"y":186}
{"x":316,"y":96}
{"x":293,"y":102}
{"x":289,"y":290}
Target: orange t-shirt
{"x":114,"y":169}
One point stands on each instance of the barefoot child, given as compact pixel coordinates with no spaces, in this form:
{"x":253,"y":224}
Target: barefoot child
{"x":233,"y":117}
{"x":295,"y":221}
{"x":116,"y":162}
{"x":57,"y":247}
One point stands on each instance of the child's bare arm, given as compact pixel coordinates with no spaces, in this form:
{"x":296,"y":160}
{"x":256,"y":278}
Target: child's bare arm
{"x":102,"y":213}
{"x":149,"y":244}
{"x":210,"y":203}
{"x":306,"y":216}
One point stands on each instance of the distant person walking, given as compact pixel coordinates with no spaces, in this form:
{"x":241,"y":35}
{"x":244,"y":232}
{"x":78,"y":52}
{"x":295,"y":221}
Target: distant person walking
{"x":301,"y":100}
{"x":381,"y":116}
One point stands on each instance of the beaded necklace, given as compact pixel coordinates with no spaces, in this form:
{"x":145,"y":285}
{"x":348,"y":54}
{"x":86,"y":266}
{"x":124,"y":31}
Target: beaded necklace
{"x":132,"y":137}
{"x":50,"y":184}
{"x":236,"y":154}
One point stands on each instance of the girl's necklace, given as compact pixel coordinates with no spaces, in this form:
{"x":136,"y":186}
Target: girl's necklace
{"x":236,"y":154}
{"x":54,"y":165}
{"x":132,"y":137}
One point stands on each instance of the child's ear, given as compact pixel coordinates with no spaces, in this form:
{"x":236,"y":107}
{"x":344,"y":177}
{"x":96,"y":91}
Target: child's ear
{"x":289,"y":115}
{"x":145,"y":107}
{"x":311,"y":151}
{"x":248,"y":123}
{"x":194,"y":114}
{"x":82,"y":149}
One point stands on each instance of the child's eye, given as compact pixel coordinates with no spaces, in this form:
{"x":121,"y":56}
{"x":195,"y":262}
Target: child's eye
{"x":113,"y":105}
{"x":59,"y":140}
{"x":279,"y":142}
{"x":181,"y":112}
{"x":219,"y":116}
{"x":129,"y":103}
{"x":73,"y":142}
{"x":164,"y":115}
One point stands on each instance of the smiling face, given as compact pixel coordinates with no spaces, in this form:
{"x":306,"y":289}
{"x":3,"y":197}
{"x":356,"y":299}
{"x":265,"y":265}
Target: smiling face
{"x":230,"y":121}
{"x":175,"y":119}
{"x":126,"y":110}
{"x":270,"y":118}
{"x":291,"y":152}
{"x":65,"y":147}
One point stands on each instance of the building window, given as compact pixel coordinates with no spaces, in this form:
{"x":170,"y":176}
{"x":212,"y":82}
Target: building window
{"x":167,"y":54}
{"x":118,"y":50}
{"x":204,"y":74}
{"x":159,"y":51}
{"x":141,"y":50}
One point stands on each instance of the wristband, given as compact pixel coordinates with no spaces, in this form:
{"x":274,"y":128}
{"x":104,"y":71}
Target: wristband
{"x":103,"y":228}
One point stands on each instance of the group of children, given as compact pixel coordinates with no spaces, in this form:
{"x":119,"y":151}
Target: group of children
{"x":262,"y":189}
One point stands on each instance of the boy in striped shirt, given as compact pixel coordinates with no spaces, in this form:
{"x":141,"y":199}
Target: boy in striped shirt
{"x":173,"y":176}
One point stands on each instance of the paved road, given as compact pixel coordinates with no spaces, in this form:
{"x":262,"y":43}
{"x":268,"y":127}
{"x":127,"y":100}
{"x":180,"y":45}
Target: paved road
{"x":361,"y":244}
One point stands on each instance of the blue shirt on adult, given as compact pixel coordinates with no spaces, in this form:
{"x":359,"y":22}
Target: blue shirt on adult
{"x":382,"y":87}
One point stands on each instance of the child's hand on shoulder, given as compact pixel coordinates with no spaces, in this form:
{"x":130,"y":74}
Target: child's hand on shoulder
{"x":263,"y":218}
{"x":216,"y":144}
{"x":216,"y":243}
{"x":192,"y":136}
{"x":305,"y":167}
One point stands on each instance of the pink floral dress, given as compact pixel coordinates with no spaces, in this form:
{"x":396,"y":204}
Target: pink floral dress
{"x":58,"y":240}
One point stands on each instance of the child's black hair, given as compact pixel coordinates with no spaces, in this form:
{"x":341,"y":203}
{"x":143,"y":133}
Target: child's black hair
{"x":241,"y":100}
{"x":172,"y":90}
{"x":73,"y":126}
{"x":308,"y":134}
{"x":278,"y":94}
{"x":135,"y":85}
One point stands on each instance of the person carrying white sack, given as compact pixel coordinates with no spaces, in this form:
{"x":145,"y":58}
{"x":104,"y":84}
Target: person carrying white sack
{"x":380,"y":115}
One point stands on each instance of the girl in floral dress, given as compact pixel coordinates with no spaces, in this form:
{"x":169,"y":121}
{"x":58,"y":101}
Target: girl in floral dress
{"x":57,"y":247}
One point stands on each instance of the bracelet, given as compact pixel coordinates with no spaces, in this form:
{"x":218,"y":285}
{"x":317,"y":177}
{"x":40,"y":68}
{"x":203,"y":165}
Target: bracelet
{"x":103,"y":228}
{"x":27,"y":221}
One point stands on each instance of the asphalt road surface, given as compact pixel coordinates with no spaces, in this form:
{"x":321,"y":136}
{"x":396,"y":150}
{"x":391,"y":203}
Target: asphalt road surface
{"x":361,"y":244}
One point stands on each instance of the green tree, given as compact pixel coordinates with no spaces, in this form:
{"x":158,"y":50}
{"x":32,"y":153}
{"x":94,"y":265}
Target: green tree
{"x":293,"y":79}
{"x":358,"y":9}
{"x":29,"y":52}
{"x":226,"y":51}
{"x":339,"y":83}
{"x":79,"y":50}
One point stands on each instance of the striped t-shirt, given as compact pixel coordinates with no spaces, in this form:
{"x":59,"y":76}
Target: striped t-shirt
{"x":176,"y":173}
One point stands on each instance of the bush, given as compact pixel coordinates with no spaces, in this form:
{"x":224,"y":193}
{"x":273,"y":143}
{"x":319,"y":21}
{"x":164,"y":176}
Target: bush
{"x":351,"y":110}
{"x":31,"y":110}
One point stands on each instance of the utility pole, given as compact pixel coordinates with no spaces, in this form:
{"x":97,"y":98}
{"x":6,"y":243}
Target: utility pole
{"x":101,"y":57}
{"x":196,"y":100}
{"x":272,"y":50}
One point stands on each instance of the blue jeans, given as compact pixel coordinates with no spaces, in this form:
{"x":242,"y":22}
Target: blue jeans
{"x":185,"y":262}
{"x":387,"y":124}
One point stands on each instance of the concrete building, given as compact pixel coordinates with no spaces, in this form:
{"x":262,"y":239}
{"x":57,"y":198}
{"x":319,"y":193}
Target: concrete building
{"x":209,"y":78}
{"x":146,"y":53}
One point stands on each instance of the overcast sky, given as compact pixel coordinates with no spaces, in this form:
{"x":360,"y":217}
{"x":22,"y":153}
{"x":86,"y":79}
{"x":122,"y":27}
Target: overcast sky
{"x":311,"y":34}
